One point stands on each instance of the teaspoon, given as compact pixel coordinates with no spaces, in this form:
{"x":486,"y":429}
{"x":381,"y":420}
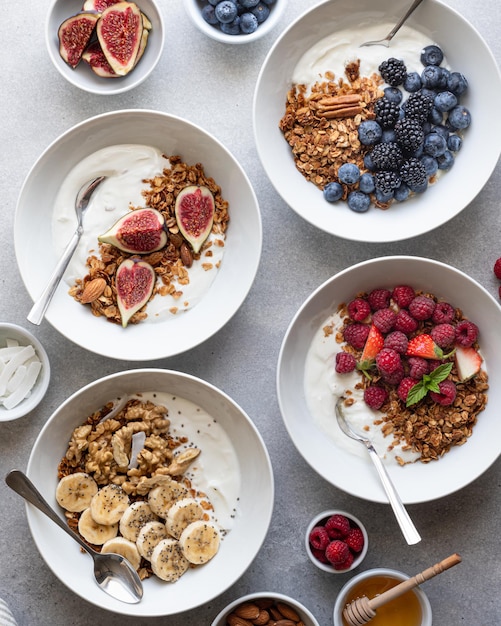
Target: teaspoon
{"x":395,"y":29}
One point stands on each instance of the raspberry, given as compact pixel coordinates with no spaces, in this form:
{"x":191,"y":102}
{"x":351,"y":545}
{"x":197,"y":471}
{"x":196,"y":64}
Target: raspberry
{"x":345,"y":363}
{"x":375,"y":397}
{"x":397,"y":341}
{"x":320,"y":555}
{"x":319,"y":538}
{"x":337,"y":552}
{"x":405,"y":385}
{"x":443,"y":313}
{"x":447,"y":393}
{"x":418,"y":367}
{"x":337,"y":526}
{"x":355,"y":540}
{"x":387,"y":156}
{"x":403,"y":295}
{"x":405,"y":322}
{"x":384,"y":319}
{"x":433,"y":364}
{"x":379,"y":299}
{"x":393,"y":71}
{"x":443,"y":335}
{"x":466,"y":333}
{"x":422,"y":307}
{"x":358,"y":309}
{"x":387,"y":113}
{"x":395,"y":377}
{"x":356,"y":335}
{"x":346,"y":564}
{"x":497,"y":268}
{"x":388,"y":361}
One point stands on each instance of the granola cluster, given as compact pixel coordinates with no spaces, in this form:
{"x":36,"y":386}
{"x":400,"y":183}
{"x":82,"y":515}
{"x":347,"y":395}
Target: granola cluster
{"x":171,"y":264}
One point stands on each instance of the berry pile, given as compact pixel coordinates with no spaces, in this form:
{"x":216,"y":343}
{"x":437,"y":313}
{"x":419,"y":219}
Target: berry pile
{"x":236,"y":17}
{"x":336,"y":541}
{"x":415,"y":133}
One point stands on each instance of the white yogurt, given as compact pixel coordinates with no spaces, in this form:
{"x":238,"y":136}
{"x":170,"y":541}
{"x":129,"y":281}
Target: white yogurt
{"x":334,"y":52}
{"x":126,"y":166}
{"x":323,"y":386}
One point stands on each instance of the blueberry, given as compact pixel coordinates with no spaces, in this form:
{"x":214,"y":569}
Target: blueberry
{"x":443,"y":131}
{"x":412,"y":82}
{"x":214,"y":2}
{"x":209,"y":14}
{"x":261,"y":11}
{"x":457,"y":83}
{"x":366,"y":183}
{"x":434,"y":144}
{"x":333,"y":192}
{"x":459,"y":117}
{"x":226,"y":11}
{"x":445,"y":101}
{"x":368,"y":162}
{"x":348,"y":173}
{"x":249,"y":4}
{"x":269,"y":1}
{"x":431,"y":55}
{"x":402,"y":193}
{"x":436,"y":116}
{"x":369,"y":132}
{"x":428,"y":93}
{"x":393,"y":94}
{"x":383,"y":198}
{"x":454,"y":142}
{"x":233,"y":28}
{"x":358,"y":201}
{"x":388,"y":135}
{"x":445,"y":161}
{"x":420,"y":188}
{"x":434,"y":77}
{"x":248,"y":23}
{"x":430,"y":165}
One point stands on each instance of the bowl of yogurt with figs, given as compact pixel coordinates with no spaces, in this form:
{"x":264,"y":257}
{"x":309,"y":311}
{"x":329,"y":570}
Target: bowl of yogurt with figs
{"x":320,"y":97}
{"x":171,"y":235}
{"x":427,"y":409}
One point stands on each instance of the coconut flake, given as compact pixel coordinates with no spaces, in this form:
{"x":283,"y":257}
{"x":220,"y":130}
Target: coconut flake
{"x":19,"y":369}
{"x":16,"y":379}
{"x":24,"y":389}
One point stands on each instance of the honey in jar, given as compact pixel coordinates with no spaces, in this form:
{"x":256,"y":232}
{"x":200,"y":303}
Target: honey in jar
{"x":402,"y":611}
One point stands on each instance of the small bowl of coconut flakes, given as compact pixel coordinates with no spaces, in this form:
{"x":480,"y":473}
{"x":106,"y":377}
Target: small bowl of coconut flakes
{"x":24,"y":372}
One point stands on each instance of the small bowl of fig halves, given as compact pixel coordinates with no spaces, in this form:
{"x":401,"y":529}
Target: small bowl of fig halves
{"x":82,"y":42}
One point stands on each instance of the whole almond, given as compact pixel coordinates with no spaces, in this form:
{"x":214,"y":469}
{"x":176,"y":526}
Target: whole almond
{"x":186,"y":255}
{"x":92,"y":290}
{"x":288,"y":612}
{"x":262,"y":619}
{"x":235,"y":620}
{"x":285,"y":622}
{"x":247,"y":610}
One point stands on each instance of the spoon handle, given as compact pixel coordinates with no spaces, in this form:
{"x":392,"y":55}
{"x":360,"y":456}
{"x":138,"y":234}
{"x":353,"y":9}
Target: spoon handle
{"x":36,"y":315}
{"x":23,"y":486}
{"x":402,"y":20}
{"x":406,"y":524}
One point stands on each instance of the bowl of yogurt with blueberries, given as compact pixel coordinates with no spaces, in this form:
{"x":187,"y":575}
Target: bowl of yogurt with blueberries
{"x":358,"y":139}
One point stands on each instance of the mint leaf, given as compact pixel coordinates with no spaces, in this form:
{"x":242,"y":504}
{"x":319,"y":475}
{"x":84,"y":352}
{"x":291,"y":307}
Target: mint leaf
{"x":416,"y":393}
{"x":429,"y":382}
{"x":441,"y":372}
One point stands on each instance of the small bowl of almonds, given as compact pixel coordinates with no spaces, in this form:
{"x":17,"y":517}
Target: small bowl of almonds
{"x":265,"y":608}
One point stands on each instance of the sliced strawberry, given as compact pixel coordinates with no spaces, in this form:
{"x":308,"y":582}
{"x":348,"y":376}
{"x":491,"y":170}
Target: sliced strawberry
{"x":468,"y":362}
{"x":373,"y":345}
{"x":424,"y":346}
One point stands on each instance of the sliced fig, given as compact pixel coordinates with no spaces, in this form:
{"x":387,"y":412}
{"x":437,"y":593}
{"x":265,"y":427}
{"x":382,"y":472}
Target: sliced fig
{"x":119,"y":32}
{"x":98,"y":63}
{"x":138,"y":232}
{"x":195,"y":214}
{"x":74,"y":35}
{"x":98,"y":5}
{"x":134,"y":281}
{"x":142,"y":45}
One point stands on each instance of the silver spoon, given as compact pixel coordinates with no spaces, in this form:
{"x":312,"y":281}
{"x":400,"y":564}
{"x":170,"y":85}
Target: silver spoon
{"x":395,"y":29}
{"x":406,"y":525}
{"x":113,"y":573}
{"x":36,"y":315}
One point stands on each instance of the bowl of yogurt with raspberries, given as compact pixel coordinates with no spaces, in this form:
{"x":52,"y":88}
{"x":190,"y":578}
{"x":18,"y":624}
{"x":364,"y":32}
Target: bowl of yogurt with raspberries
{"x":410,"y":346}
{"x":366,"y":142}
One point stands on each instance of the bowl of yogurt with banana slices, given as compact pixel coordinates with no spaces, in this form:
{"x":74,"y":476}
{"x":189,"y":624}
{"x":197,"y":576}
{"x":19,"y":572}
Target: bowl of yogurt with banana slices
{"x":163,"y":468}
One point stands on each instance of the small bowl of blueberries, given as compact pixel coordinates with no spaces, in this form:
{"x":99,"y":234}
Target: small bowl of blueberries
{"x":235,"y":21}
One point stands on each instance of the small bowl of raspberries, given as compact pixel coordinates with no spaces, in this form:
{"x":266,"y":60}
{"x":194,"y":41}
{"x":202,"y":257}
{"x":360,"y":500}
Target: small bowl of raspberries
{"x":336,"y":541}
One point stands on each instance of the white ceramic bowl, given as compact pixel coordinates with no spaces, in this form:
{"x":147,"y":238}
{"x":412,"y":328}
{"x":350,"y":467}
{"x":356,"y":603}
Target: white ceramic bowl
{"x":453,"y":192}
{"x":426,"y":616}
{"x":239,"y":546}
{"x":348,"y":466}
{"x":36,"y":255}
{"x":194,"y":9}
{"x":25,"y":338}
{"x":305,"y":615}
{"x":319,"y":520}
{"x":82,"y":76}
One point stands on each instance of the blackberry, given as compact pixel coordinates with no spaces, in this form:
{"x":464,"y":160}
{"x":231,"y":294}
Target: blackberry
{"x":387,"y":112}
{"x":386,"y":181}
{"x":418,"y":106}
{"x":413,"y":173}
{"x":393,"y":71}
{"x":387,"y":156}
{"x":409,"y":134}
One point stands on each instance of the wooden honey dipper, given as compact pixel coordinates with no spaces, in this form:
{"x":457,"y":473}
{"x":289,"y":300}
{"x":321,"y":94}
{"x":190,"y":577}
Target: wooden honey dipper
{"x":361,"y":610}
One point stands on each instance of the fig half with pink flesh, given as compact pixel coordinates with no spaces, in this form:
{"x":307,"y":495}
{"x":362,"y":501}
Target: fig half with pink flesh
{"x":195,"y":214}
{"x":119,"y":32}
{"x":74,"y":35}
{"x":138,"y":232}
{"x":134,"y":282}
{"x":98,"y":5}
{"x":98,"y":63}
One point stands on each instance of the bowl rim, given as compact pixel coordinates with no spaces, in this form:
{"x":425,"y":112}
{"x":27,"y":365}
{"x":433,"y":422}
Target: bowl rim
{"x":42,"y":383}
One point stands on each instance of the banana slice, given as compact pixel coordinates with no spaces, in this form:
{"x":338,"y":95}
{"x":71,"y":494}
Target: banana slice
{"x":161,"y":498}
{"x":135,"y":516}
{"x":149,"y":537}
{"x":109,"y":504}
{"x":167,"y":560}
{"x":182,"y":513}
{"x":74,"y":492}
{"x":200,"y":541}
{"x":95,"y":533}
{"x":128,"y":549}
